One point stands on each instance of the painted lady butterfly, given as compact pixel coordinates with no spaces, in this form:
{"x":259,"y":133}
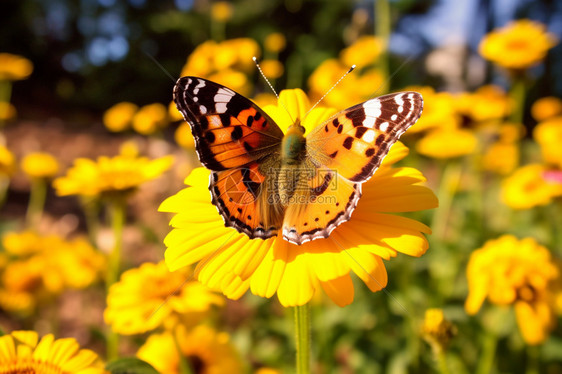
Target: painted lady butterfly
{"x":263,"y":180}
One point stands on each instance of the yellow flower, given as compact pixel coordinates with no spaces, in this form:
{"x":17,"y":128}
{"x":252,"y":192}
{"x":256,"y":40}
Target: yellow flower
{"x":205,"y":350}
{"x":40,"y":165}
{"x":221,"y":11}
{"x":266,"y":370}
{"x":549,"y":135}
{"x":437,"y":330}
{"x":363,"y":52}
{"x":518,"y":45}
{"x":527,"y":188}
{"x":355,"y":88}
{"x":7,"y":162}
{"x":23,"y":352}
{"x":232,"y":262}
{"x":173,"y":112}
{"x":226,"y":63}
{"x":14,"y":67}
{"x":508,"y":271}
{"x":272,"y":69}
{"x":486,"y":103}
{"x":7,"y":111}
{"x":43,"y":266}
{"x":108,"y":176}
{"x":438,"y":110}
{"x":150,"y":296}
{"x":150,"y":118}
{"x":546,"y":107}
{"x":183,"y":136}
{"x":502,"y":153}
{"x":120,"y":116}
{"x":275,"y":42}
{"x":447,"y":143}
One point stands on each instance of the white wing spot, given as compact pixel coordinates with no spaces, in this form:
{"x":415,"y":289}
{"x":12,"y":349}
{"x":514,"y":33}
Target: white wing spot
{"x":369,"y":136}
{"x":393,"y":117}
{"x":383,"y":127}
{"x":398,"y":99}
{"x":220,"y":107}
{"x":195,"y":91}
{"x":372,"y":108}
{"x":195,"y":99}
{"x":369,"y":122}
{"x":400,"y":109}
{"x":202,"y":109}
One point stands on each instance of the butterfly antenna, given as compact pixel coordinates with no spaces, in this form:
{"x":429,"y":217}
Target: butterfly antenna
{"x":330,"y":90}
{"x":271,"y":86}
{"x":159,"y":65}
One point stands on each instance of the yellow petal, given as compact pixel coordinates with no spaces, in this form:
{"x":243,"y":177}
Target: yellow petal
{"x":340,"y":290}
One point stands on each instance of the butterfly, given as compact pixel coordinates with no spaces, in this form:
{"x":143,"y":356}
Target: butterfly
{"x":265,"y":182}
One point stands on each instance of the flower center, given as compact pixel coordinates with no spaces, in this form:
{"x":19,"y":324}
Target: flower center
{"x":30,"y":367}
{"x":527,"y":293}
{"x":197,"y":364}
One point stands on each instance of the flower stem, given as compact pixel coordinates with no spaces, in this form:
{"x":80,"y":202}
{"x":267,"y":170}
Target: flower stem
{"x":486,"y":362}
{"x":533,"y":354}
{"x":302,"y":338}
{"x":382,"y":31}
{"x":517,"y":94}
{"x":36,"y":203}
{"x":442,"y":361}
{"x":5,"y":96}
{"x":117,"y":207}
{"x":450,"y":180}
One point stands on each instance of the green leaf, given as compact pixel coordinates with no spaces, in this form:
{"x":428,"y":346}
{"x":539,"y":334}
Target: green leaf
{"x":130,"y":365}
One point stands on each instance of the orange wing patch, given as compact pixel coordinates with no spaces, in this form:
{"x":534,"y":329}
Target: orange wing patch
{"x":314,"y":213}
{"x":230,"y":131}
{"x":355,"y":141}
{"x":236,"y":194}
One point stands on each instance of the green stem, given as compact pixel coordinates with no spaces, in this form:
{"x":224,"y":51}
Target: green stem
{"x":91,"y":208}
{"x":36,"y":203}
{"x":5,"y":97}
{"x":517,"y":94}
{"x":382,"y":31}
{"x":184,"y":364}
{"x":442,"y":361}
{"x":4,"y":184}
{"x":118,"y":209}
{"x":486,"y":362}
{"x":450,"y":179}
{"x":533,"y":358}
{"x":302,"y":338}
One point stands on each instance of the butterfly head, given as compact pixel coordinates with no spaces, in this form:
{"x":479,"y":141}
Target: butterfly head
{"x":293,"y":146}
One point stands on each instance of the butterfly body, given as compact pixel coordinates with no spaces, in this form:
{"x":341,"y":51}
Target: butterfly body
{"x":265,"y":183}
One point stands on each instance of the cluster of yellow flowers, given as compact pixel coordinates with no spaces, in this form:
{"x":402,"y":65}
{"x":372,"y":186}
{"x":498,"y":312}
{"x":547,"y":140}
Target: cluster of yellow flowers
{"x":37,"y":267}
{"x":12,"y":68}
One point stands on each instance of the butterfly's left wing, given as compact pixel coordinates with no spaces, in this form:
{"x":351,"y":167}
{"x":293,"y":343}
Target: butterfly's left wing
{"x":348,"y":148}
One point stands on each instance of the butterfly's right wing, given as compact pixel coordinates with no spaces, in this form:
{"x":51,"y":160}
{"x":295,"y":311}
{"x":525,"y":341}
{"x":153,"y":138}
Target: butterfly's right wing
{"x":230,"y":130}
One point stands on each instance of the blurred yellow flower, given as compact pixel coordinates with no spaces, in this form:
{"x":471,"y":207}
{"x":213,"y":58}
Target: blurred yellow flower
{"x":363,"y":52}
{"x":44,"y":266}
{"x":183,"y":136}
{"x":23,"y":352}
{"x":120,"y":116}
{"x":518,"y":45}
{"x":151,"y":296}
{"x":502,"y":154}
{"x":549,"y":136}
{"x":264,"y":99}
{"x":205,"y":350}
{"x":447,"y":143}
{"x":508,"y":271}
{"x":546,"y":107}
{"x":173,"y":112}
{"x":487,"y":103}
{"x":150,"y":118}
{"x":437,"y":330}
{"x":527,"y":188}
{"x":7,"y":162}
{"x":7,"y":111}
{"x":232,"y":262}
{"x":355,"y":88}
{"x":221,"y":11}
{"x":275,"y":42}
{"x":272,"y":69}
{"x":226,"y":63}
{"x":266,"y":370}
{"x":109,"y":176}
{"x":438,"y":110}
{"x":14,"y":67}
{"x":40,"y":165}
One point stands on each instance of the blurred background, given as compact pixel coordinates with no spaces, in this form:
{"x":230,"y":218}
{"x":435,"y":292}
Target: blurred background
{"x":94,"y":78}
